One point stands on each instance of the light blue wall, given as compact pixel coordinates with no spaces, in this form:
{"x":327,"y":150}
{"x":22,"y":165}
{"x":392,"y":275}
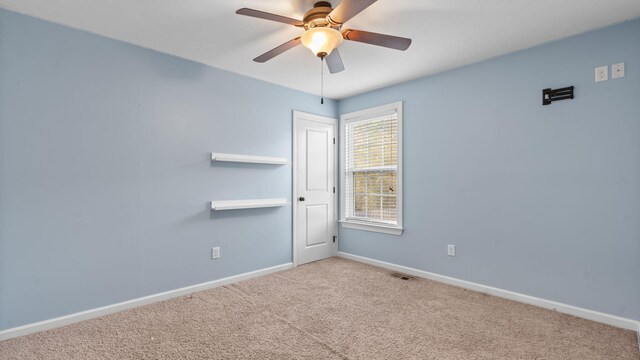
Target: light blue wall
{"x":541,"y":200}
{"x":105,"y":175}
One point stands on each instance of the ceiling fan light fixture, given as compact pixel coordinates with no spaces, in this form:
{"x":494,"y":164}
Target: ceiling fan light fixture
{"x":321,"y":40}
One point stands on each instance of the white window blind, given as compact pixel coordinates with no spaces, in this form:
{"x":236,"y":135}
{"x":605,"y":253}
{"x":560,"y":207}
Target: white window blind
{"x":371,"y":164}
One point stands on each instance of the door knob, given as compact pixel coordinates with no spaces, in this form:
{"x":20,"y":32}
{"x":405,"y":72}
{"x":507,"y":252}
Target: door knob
{"x":301,"y":198}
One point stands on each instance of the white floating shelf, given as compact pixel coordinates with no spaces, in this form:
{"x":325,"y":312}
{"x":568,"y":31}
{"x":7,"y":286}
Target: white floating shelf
{"x":247,"y":204}
{"x":249,"y":159}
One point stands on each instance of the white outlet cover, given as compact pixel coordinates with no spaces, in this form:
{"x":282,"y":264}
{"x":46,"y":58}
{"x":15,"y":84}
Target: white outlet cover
{"x":617,"y":71}
{"x":451,"y":250}
{"x":215,"y":253}
{"x":602,"y":73}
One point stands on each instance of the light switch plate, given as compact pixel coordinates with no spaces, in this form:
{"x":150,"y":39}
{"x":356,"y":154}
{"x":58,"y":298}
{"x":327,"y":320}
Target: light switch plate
{"x":602,"y":73}
{"x":617,"y":71}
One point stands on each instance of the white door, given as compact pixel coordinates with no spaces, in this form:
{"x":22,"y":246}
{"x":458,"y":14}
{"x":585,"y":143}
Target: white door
{"x":314,"y":181}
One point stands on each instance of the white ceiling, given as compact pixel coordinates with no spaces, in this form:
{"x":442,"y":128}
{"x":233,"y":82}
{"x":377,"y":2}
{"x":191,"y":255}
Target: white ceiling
{"x":446,"y":33}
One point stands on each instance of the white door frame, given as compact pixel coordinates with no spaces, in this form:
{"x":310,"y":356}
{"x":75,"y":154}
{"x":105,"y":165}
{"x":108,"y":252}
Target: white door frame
{"x":326,"y":120}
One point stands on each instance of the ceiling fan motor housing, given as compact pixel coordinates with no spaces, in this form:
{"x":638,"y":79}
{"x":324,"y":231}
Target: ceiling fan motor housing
{"x":317,"y":17}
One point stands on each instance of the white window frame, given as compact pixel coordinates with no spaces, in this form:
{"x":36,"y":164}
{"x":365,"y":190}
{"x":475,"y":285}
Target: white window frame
{"x":360,"y":116}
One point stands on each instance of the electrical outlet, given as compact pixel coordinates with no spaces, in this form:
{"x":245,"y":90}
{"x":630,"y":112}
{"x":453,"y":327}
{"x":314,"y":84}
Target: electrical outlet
{"x":215,"y":253}
{"x":617,"y":71}
{"x":602,"y":73}
{"x":451,"y":250}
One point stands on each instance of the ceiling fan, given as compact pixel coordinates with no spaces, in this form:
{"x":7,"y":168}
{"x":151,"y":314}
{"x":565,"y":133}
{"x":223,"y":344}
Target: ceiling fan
{"x":323,"y":31}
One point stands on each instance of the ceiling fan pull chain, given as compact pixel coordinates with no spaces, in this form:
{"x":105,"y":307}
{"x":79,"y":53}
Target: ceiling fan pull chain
{"x":322,"y":80}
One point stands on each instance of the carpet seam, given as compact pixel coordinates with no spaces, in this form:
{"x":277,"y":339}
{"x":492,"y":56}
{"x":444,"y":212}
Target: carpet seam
{"x":247,"y":297}
{"x":288,"y":277}
{"x":313,"y":337}
{"x":240,"y":292}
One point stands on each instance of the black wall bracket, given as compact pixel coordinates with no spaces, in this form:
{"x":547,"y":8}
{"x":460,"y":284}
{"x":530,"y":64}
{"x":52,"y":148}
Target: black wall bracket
{"x":551,"y":95}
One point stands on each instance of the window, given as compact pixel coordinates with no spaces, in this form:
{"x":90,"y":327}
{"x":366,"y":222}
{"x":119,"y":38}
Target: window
{"x":371,"y":169}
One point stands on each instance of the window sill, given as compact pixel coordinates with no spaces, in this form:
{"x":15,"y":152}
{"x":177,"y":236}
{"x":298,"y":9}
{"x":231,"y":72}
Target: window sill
{"x":391,"y":230}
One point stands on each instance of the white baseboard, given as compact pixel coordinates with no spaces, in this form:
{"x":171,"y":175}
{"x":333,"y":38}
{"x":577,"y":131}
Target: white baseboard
{"x":110,"y":309}
{"x":608,"y":319}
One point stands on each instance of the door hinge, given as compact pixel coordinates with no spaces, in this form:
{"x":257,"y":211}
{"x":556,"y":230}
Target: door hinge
{"x":334,"y":189}
{"x":334,"y":238}
{"x":334,"y":141}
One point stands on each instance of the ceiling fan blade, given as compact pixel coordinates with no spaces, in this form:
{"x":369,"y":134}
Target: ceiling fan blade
{"x":334,"y":62}
{"x":348,"y":9}
{"x":389,"y":41}
{"x":269,"y":16}
{"x":278,"y":50}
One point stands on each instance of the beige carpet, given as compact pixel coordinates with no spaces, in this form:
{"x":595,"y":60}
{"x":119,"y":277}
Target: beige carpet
{"x":331,"y":309}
